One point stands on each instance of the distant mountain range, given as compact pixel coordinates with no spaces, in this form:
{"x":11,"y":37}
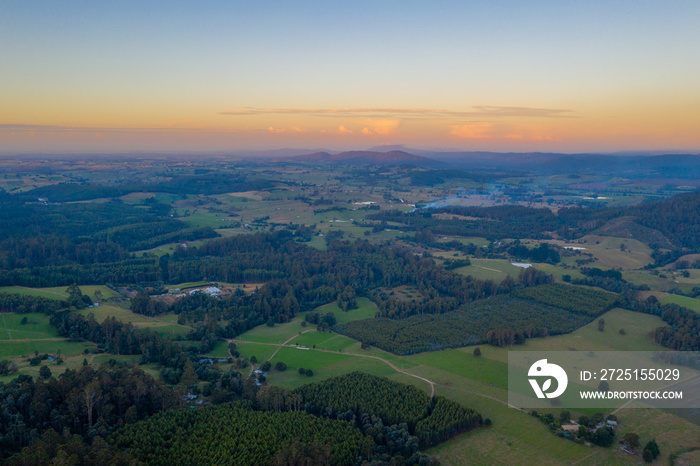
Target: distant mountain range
{"x":394,"y":157}
{"x":667,"y":165}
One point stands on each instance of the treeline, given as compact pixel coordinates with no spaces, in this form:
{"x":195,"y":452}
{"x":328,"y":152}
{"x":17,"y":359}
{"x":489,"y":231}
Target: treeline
{"x":132,"y":270}
{"x":543,"y":253}
{"x":184,"y":184}
{"x":493,"y":222}
{"x":147,"y":235}
{"x":683,"y":330}
{"x":54,"y":250}
{"x":548,"y":309}
{"x":596,"y":272}
{"x":86,"y":402}
{"x":22,"y":304}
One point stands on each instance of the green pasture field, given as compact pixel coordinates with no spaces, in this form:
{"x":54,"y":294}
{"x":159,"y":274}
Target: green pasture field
{"x":322,"y":340}
{"x":514,"y":438}
{"x":588,"y":338}
{"x":165,"y":324}
{"x":309,"y":359}
{"x":318,"y":242}
{"x":657,"y":283}
{"x":693,"y":277}
{"x":400,"y":362}
{"x":200,"y":218}
{"x":277,"y":334}
{"x":17,"y":339}
{"x":36,"y":328}
{"x":366,"y":309}
{"x":220,"y":350}
{"x":283,"y":332}
{"x":9,"y":349}
{"x":183,"y":286}
{"x":42,"y":293}
{"x":465,"y":240}
{"x":462,"y":362}
{"x":685,"y":301}
{"x":557,"y":271}
{"x":490,"y":269}
{"x":59,"y":292}
{"x":262,"y":351}
{"x":324,"y":365}
{"x":608,"y":253}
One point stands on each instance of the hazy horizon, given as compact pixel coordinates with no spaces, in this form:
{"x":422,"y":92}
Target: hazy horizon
{"x":81,"y":77}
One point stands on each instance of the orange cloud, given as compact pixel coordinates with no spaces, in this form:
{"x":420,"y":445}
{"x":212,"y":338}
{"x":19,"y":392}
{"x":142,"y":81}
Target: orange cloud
{"x":380,"y":127}
{"x":472,"y":130}
{"x":343,"y":130}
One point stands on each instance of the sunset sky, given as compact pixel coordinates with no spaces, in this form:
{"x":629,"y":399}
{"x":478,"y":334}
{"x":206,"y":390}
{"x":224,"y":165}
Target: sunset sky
{"x":87,"y":76}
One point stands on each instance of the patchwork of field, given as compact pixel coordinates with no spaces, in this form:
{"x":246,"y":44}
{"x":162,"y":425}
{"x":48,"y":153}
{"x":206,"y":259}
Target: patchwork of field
{"x":481,"y":383}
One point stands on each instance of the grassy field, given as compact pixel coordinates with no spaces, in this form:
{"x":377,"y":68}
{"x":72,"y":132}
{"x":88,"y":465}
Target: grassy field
{"x":490,"y":269}
{"x":59,"y":292}
{"x":324,"y":365}
{"x":277,"y":334}
{"x":637,"y":328}
{"x":36,"y":328}
{"x":463,"y":363}
{"x":514,"y":438}
{"x":32,"y":292}
{"x":608,"y":251}
{"x":323,"y":340}
{"x":164,"y":324}
{"x":517,"y":438}
{"x":685,"y":301}
{"x":220,"y":350}
{"x":283,"y":332}
{"x":557,"y":271}
{"x":261,"y":351}
{"x":17,"y":339}
{"x":86,"y":289}
{"x":318,"y":242}
{"x":19,"y":342}
{"x":366,"y":309}
{"x":666,"y":282}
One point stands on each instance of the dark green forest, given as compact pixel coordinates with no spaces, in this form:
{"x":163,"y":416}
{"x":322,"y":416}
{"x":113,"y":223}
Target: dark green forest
{"x":538,"y":311}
